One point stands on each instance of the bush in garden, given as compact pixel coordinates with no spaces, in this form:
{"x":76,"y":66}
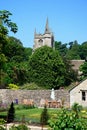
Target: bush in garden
{"x":13,"y":86}
{"x":19,"y":127}
{"x":67,"y":120}
{"x":11,"y":113}
{"x":2,"y":122}
{"x":2,"y":128}
{"x":44,"y":116}
{"x":76,"y":108}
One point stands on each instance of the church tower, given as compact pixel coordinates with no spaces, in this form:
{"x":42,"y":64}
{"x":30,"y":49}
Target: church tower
{"x":44,"y":39}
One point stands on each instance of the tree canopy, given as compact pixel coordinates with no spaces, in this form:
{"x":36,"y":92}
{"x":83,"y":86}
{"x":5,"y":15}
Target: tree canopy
{"x":46,"y":68}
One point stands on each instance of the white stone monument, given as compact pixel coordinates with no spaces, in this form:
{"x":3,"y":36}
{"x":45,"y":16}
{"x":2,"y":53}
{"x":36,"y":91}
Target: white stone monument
{"x":52,"y":94}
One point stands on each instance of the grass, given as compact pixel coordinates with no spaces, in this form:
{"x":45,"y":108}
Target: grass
{"x":31,"y":115}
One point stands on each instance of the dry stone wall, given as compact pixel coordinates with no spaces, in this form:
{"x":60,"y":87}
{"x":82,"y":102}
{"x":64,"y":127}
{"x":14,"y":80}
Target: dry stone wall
{"x":7,"y":96}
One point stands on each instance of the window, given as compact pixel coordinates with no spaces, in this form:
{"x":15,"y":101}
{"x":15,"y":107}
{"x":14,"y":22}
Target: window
{"x":83,"y":96}
{"x":40,"y":40}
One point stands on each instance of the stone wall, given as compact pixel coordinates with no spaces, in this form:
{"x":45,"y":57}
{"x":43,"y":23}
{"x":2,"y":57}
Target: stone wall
{"x":7,"y":96}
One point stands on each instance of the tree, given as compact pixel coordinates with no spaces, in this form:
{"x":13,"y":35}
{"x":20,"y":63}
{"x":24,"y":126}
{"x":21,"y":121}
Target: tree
{"x":44,"y":117}
{"x":73,"y":52}
{"x":62,"y":48}
{"x":16,"y":73}
{"x":46,"y":68}
{"x":83,"y":68}
{"x":5,"y":25}
{"x":14,"y":50}
{"x":70,"y":74}
{"x":83,"y":50}
{"x":11,"y":113}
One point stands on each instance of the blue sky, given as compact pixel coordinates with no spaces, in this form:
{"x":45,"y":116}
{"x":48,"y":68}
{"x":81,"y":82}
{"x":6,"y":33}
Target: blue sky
{"x":67,"y":19}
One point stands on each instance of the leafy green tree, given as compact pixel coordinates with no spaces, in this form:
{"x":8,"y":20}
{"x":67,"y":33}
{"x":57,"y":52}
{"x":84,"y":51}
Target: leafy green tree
{"x":16,"y":73}
{"x":83,"y":68}
{"x":14,"y":50}
{"x":46,"y":68}
{"x":70,"y":74}
{"x":5,"y":25}
{"x":73,"y":52}
{"x":62,"y":48}
{"x":83,"y":50}
{"x":28,"y":53}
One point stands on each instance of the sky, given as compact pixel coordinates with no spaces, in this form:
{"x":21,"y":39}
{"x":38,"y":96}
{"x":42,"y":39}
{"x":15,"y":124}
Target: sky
{"x":67,"y":19}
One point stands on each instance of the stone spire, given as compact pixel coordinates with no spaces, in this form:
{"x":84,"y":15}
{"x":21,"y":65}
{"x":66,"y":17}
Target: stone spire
{"x":35,"y":32}
{"x":47,"y":30}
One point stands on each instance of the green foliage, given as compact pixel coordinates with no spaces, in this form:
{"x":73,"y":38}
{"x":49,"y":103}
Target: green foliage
{"x":44,"y":116}
{"x":16,"y":73}
{"x":13,"y":86}
{"x":14,"y":50}
{"x":2,"y":128}
{"x":67,"y":120}
{"x":73,"y":51}
{"x":76,"y":108}
{"x":46,"y":68}
{"x":31,"y":86}
{"x":83,"y":50}
{"x":4,"y":18}
{"x":70,"y":74}
{"x":83,"y":68}
{"x":19,"y":127}
{"x":62,"y":48}
{"x":11,"y":113}
{"x":2,"y":121}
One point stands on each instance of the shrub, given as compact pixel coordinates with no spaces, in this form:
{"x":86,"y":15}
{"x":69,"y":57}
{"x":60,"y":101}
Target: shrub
{"x":2,"y":128}
{"x":2,"y":122}
{"x":68,"y":121}
{"x":13,"y":86}
{"x":11,"y":113}
{"x":19,"y":127}
{"x":44,"y":116}
{"x":76,"y":108}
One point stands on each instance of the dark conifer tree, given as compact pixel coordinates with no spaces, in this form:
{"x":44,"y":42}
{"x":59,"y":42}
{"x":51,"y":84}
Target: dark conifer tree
{"x":11,"y":113}
{"x":44,"y":116}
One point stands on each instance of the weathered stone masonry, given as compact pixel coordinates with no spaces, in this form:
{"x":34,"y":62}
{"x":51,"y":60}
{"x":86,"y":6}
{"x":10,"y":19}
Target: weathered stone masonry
{"x":7,"y":96}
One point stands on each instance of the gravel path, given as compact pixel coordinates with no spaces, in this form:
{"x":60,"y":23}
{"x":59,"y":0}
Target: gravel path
{"x":29,"y":126}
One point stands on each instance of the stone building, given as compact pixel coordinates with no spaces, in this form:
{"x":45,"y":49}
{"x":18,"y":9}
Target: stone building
{"x":43,"y":39}
{"x":76,"y":65}
{"x":78,"y":94}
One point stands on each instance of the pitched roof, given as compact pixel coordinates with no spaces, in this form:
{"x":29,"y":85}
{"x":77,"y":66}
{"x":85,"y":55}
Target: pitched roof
{"x":77,"y":84}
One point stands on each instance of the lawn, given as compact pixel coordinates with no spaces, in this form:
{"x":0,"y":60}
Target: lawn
{"x":31,"y":115}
